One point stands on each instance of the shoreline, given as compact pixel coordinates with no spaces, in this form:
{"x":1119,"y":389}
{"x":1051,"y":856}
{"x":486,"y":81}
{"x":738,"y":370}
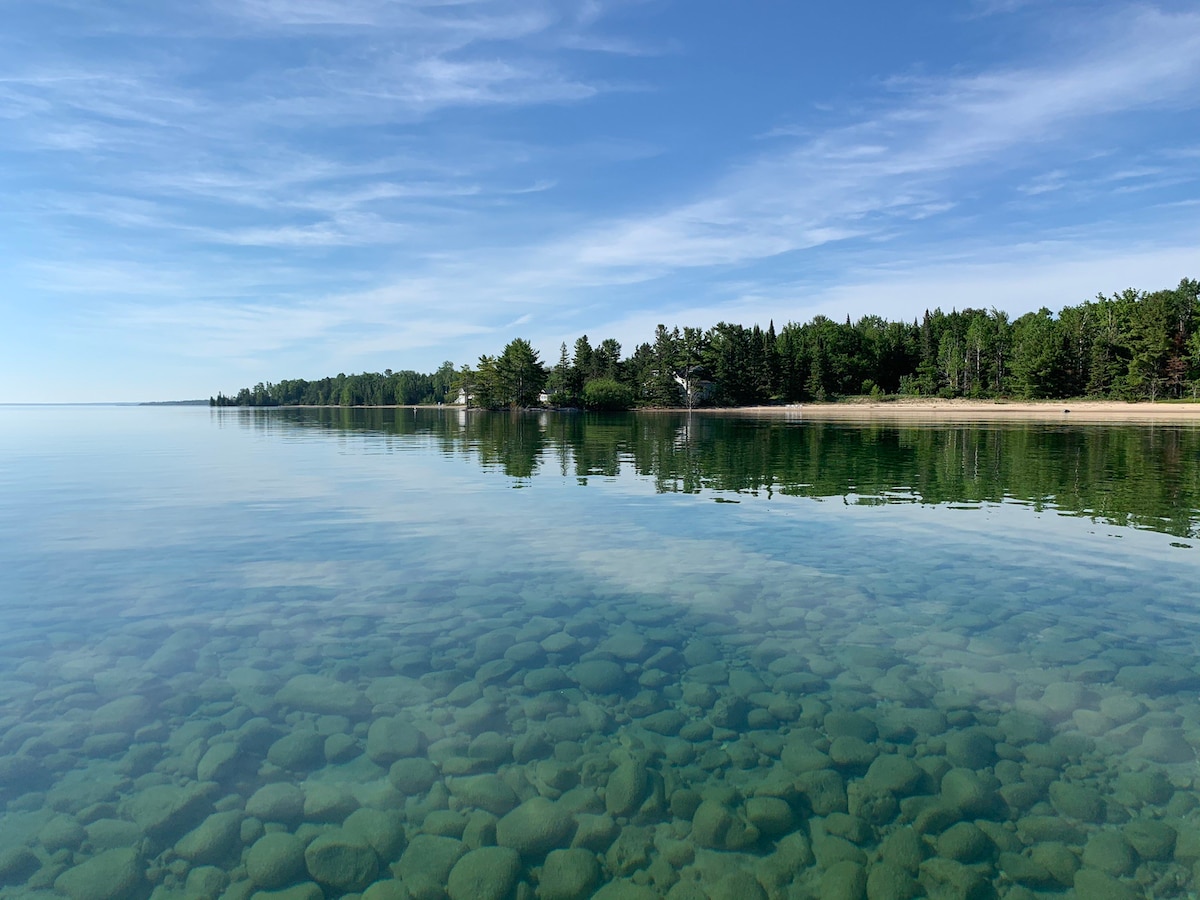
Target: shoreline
{"x":939,"y":410}
{"x":911,"y":409}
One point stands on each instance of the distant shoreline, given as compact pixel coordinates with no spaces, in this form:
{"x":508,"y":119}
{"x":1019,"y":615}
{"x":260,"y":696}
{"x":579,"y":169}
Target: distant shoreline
{"x":930,"y":409}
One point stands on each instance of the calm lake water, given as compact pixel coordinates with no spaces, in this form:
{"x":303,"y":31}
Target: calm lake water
{"x":397,"y":654}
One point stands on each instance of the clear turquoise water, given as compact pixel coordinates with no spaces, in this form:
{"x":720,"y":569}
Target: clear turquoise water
{"x":354,"y":652}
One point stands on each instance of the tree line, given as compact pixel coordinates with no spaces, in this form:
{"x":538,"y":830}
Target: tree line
{"x":1135,"y":345}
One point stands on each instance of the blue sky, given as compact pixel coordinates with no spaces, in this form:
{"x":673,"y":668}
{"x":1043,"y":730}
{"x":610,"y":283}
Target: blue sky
{"x":195,"y":197}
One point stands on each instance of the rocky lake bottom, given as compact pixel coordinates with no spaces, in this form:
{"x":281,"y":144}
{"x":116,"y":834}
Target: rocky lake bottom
{"x":830,"y":706}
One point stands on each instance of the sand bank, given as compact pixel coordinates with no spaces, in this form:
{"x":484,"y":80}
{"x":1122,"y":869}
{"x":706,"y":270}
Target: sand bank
{"x":920,"y":409}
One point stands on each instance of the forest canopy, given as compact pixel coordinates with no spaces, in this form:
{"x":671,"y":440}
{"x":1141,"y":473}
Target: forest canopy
{"x":1134,"y":345}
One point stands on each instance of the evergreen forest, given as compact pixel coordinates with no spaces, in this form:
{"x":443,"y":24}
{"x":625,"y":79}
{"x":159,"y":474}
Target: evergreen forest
{"x":1135,"y":345}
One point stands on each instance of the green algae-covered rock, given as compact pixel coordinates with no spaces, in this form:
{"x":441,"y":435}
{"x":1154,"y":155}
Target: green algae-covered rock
{"x":1077,"y":801}
{"x":971,"y":748}
{"x":341,"y":748}
{"x":17,"y":864}
{"x":893,"y":774}
{"x":390,"y":739}
{"x":971,"y":793}
{"x":413,"y":776}
{"x":535,"y":828}
{"x":61,"y":833}
{"x":388,"y":889}
{"x":600,"y":676}
{"x":491,"y":749}
{"x":569,"y":875}
{"x":1109,"y":852}
{"x":825,"y":791}
{"x":1151,"y":839}
{"x":964,"y":842}
{"x":830,"y":849}
{"x":844,"y":880}
{"x":382,"y":829}
{"x":1025,"y":870}
{"x":486,"y":792}
{"x":207,"y":882}
{"x":800,"y":757}
{"x":1166,"y":745}
{"x":213,"y":840}
{"x":770,"y":815}
{"x":626,"y":788}
{"x":714,"y":826}
{"x":165,"y":812}
{"x":220,"y":762}
{"x":668,"y":722}
{"x":298,"y":751}
{"x":111,"y":875}
{"x":850,"y":724}
{"x":1147,"y":787}
{"x":736,"y":885}
{"x":317,"y":694}
{"x":305,"y":891}
{"x":279,"y":802}
{"x":886,"y":881}
{"x":489,"y":873}
{"x":276,"y":860}
{"x":594,"y":832}
{"x":341,"y":860}
{"x":631,"y":851}
{"x":949,"y":878}
{"x":903,"y":849}
{"x":1096,"y":885}
{"x":112,"y":834}
{"x":1039,"y":829}
{"x":1058,"y":860}
{"x":426,"y":864}
{"x":328,"y":801}
{"x":850,"y":752}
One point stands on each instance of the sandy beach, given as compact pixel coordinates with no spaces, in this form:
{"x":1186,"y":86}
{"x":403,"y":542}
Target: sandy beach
{"x":924,"y":409}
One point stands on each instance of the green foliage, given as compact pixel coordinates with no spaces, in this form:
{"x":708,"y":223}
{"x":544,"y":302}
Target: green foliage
{"x":1133,"y":345}
{"x":607,"y":394}
{"x":520,"y":375}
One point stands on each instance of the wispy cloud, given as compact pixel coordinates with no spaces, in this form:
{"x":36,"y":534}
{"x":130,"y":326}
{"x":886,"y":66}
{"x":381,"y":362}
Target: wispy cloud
{"x":910,"y":159}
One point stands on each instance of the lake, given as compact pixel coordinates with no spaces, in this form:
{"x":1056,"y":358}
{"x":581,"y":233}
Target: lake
{"x":305,"y":654}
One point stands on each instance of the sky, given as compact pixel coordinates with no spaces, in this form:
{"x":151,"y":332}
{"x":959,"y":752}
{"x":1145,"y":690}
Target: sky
{"x":198,"y":196}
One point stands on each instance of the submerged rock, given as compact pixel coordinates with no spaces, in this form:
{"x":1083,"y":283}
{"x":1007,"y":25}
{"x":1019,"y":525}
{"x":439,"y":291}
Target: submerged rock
{"x":844,"y":881}
{"x":486,"y":792}
{"x":279,"y":802}
{"x":426,"y":864}
{"x":626,"y":788}
{"x":276,"y":860}
{"x":600,"y":676}
{"x":342,"y":860}
{"x":321,"y":695}
{"x":568,"y":875}
{"x":298,"y":751}
{"x":164,"y":812}
{"x":489,"y":873}
{"x":111,"y":875}
{"x":390,"y":739}
{"x":17,"y":864}
{"x":535,"y":828}
{"x":213,"y":840}
{"x":716,"y":827}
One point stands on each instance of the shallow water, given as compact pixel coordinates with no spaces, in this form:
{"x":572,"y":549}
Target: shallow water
{"x":324,"y":653}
